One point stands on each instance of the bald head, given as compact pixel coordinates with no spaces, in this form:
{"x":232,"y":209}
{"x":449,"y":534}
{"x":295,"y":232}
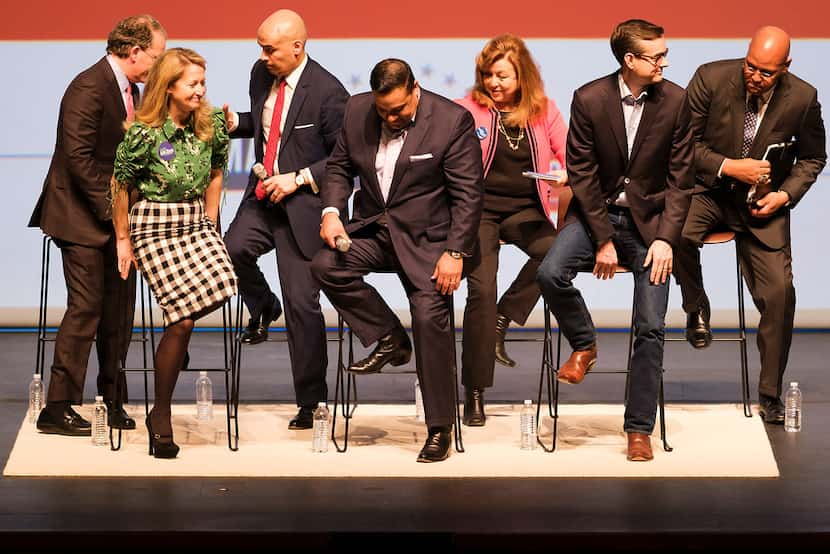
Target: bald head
{"x":766,"y":60}
{"x":770,"y":46}
{"x":282,"y":37}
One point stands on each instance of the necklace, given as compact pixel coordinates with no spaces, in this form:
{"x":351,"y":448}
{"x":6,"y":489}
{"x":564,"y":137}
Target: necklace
{"x":512,"y":142}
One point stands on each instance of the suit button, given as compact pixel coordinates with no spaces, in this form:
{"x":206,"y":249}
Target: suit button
{"x":626,"y":180}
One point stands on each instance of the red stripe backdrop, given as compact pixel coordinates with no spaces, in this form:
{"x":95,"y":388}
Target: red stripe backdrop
{"x":214,"y":19}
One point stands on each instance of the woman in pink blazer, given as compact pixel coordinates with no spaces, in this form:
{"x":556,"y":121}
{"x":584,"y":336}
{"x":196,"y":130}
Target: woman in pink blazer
{"x":520,"y":129}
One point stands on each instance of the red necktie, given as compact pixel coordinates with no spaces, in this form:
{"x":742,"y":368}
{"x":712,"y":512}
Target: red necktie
{"x":128,"y":97}
{"x":273,"y":138}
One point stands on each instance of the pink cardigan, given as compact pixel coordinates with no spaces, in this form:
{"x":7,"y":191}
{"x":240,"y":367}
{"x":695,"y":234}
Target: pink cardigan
{"x":547,"y":135}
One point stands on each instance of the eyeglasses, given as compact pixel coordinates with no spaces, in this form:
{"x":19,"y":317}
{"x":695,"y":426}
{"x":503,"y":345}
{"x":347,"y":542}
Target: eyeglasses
{"x":656,"y":60}
{"x":765,"y":73}
{"x":151,"y":56}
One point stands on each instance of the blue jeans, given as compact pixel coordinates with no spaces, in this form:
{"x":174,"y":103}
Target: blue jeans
{"x":574,"y":251}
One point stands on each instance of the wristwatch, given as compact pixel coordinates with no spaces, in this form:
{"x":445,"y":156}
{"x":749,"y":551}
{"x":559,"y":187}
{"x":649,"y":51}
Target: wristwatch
{"x":299,"y":180}
{"x":455,"y":254}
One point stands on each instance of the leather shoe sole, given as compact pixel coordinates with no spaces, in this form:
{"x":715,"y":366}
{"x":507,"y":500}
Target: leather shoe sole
{"x":396,"y":360}
{"x":66,"y":430}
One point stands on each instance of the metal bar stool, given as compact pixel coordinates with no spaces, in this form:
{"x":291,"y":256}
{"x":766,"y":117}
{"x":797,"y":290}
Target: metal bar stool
{"x":229,"y":370}
{"x":722,"y":237}
{"x":549,"y":373}
{"x":345,"y":390}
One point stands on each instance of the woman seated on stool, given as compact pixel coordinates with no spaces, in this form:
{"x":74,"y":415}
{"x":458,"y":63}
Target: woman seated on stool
{"x":520,"y":129}
{"x":174,"y":155}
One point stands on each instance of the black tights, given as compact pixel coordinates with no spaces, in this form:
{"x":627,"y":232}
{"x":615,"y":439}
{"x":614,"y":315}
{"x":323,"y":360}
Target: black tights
{"x":170,"y":357}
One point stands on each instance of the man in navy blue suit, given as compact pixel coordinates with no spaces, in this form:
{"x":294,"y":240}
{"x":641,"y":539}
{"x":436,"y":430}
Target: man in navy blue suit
{"x":296,"y":114}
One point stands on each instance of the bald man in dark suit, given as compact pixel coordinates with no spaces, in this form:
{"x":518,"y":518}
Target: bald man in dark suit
{"x":739,"y":108}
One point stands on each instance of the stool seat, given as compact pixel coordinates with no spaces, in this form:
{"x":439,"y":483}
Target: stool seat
{"x":719,"y":237}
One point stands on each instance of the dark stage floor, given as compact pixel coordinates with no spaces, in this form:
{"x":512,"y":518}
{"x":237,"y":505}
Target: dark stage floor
{"x":405,"y":514}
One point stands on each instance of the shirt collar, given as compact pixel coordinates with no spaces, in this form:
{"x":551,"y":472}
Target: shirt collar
{"x":120,"y":76}
{"x":625,"y":92}
{"x":170,"y":128}
{"x":294,"y":77}
{"x":765,"y":98}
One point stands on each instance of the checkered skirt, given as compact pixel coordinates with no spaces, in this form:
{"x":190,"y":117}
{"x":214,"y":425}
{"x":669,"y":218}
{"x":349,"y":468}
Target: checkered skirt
{"x":182,"y":257}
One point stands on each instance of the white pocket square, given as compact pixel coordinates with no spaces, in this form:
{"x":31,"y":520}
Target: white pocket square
{"x":305,"y":126}
{"x":419,"y":157}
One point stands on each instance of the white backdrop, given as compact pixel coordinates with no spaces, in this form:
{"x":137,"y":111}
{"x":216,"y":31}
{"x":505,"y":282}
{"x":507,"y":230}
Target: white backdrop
{"x":35,"y":83}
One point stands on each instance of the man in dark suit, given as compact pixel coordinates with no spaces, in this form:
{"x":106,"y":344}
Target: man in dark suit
{"x":417,"y":214}
{"x":739,"y":107}
{"x":74,"y":209}
{"x":296,"y":112}
{"x":632,"y":188}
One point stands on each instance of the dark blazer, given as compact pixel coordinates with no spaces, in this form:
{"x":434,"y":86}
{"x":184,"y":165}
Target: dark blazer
{"x":309,"y":134}
{"x":717,"y":99}
{"x":436,"y":196}
{"x":658,"y":178}
{"x":74,"y":205}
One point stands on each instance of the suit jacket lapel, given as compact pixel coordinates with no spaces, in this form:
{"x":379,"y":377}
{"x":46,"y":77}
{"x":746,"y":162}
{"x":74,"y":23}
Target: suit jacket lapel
{"x":616,"y":119}
{"x":650,"y":107}
{"x":738,"y":112}
{"x":371,"y":137}
{"x":777,"y":106}
{"x":414,"y":137}
{"x":116,"y":96}
{"x":263,"y":90}
{"x":297,"y":100}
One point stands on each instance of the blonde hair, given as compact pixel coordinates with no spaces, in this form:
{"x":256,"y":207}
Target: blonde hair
{"x":532,"y":101}
{"x":165,"y":71}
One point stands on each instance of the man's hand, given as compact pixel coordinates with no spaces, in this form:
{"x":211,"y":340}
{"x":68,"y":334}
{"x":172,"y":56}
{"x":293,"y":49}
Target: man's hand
{"x":606,"y":264}
{"x":447,"y":274}
{"x":747,"y":170}
{"x":330,"y":228}
{"x":769,"y":204}
{"x":124,"y":248}
{"x":660,"y":257}
{"x":277,"y":187}
{"x":227,"y":111}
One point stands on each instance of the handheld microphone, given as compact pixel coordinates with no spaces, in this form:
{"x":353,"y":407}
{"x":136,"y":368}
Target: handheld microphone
{"x":259,"y":170}
{"x":342,"y":243}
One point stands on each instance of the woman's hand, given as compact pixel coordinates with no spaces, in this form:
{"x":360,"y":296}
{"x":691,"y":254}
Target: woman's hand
{"x":563,"y":177}
{"x":124,"y":248}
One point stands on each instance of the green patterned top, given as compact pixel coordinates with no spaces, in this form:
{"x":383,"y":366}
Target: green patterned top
{"x":144,"y":159}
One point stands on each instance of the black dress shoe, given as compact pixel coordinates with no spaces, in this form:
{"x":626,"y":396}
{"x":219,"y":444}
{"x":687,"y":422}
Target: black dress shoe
{"x":474,"y":407}
{"x":771,"y":409}
{"x":437,"y":446}
{"x":67,"y":422}
{"x":303,"y":420}
{"x":257,"y":330}
{"x":502,"y":323}
{"x":117,"y":417}
{"x":698,"y":330}
{"x":394,"y":349}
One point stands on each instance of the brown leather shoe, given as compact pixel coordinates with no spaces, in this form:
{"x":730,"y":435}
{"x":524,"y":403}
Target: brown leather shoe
{"x":581,"y":361}
{"x":639,"y":447}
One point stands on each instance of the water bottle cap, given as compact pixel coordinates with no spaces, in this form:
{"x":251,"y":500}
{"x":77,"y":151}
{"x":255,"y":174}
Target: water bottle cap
{"x":321,"y":405}
{"x":203,"y":374}
{"x":793,"y":383}
{"x":36,"y":376}
{"x":99,"y":398}
{"x":528,"y":402}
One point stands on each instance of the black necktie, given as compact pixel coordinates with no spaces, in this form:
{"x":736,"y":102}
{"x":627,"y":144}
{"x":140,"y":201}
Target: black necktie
{"x":750,"y":123}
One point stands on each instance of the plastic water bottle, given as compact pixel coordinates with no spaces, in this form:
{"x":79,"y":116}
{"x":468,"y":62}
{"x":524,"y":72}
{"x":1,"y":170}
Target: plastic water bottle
{"x":322,"y":426}
{"x":35,"y":397}
{"x":99,"y":423}
{"x":527,"y":423}
{"x":792,"y":409}
{"x":419,"y":403}
{"x":204,"y":397}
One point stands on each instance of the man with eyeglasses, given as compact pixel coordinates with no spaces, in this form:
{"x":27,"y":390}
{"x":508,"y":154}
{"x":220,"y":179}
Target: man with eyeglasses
{"x":74,"y":209}
{"x":739,"y":108}
{"x":631,"y":167}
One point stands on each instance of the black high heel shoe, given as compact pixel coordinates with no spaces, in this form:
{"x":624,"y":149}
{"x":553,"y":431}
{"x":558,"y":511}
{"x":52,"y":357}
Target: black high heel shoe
{"x":160,"y":448}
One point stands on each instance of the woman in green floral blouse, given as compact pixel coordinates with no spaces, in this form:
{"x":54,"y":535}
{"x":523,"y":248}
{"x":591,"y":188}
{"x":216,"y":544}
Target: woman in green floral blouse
{"x":174,"y":157}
